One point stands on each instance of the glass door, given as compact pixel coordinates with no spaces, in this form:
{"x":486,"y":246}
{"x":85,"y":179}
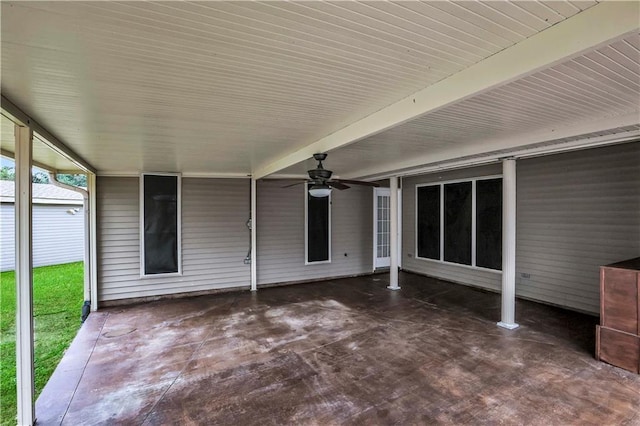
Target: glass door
{"x":382,"y":228}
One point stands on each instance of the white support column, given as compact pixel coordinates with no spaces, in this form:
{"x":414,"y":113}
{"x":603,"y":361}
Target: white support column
{"x":87,"y":247}
{"x":254,"y":240}
{"x":393,"y":234}
{"x":24,"y":277}
{"x":93,"y":250}
{"x":508,"y":244}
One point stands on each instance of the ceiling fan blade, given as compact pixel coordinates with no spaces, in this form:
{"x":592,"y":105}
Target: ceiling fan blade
{"x":337,"y":185}
{"x":294,"y":184}
{"x":356,"y":182}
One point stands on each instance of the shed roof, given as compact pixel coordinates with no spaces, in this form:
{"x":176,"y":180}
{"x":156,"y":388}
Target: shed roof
{"x":41,"y":194}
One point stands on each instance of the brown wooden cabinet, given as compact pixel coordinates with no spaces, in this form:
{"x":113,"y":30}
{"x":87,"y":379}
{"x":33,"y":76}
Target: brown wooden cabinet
{"x":618,"y":335}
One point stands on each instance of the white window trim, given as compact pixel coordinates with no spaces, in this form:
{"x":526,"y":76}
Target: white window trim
{"x":473,"y":181}
{"x":179,"y":236}
{"x":306,"y":230}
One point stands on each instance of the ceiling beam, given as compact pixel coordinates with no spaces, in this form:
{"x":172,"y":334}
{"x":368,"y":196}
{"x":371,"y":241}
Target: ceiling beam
{"x":19,"y":116}
{"x":588,"y":30}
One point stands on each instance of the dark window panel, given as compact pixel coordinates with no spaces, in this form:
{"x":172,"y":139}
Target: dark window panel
{"x":160,"y":224}
{"x":428,"y":218}
{"x":489,"y":223}
{"x":317,"y":229}
{"x":457,"y":222}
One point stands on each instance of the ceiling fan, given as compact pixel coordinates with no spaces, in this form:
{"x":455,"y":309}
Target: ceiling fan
{"x":321,"y":182}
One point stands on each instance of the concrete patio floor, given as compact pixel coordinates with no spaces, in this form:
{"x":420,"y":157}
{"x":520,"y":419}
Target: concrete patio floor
{"x":346,"y":351}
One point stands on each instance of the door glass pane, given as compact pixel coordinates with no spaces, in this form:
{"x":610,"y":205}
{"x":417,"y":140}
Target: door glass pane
{"x":382,"y":226}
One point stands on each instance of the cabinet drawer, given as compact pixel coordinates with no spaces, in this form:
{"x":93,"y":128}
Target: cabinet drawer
{"x":618,"y":348}
{"x":619,"y":299}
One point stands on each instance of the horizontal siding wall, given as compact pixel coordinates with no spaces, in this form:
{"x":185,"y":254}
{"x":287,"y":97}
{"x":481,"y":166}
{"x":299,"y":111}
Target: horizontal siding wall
{"x":7,"y":237}
{"x":58,"y":236}
{"x":446,"y":271}
{"x":281,"y":234}
{"x":576,"y":212}
{"x":215,"y":238}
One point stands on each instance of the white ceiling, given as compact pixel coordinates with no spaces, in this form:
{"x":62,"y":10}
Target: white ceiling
{"x":231,"y":88}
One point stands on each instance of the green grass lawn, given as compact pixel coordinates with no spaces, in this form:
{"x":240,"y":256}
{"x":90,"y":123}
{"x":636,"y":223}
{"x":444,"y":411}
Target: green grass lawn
{"x":57,"y":305}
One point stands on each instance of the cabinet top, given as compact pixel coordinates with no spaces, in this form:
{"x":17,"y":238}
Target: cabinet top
{"x":633,"y":264}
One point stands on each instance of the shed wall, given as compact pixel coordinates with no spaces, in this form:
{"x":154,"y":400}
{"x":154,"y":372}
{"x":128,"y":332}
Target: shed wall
{"x":58,"y":237}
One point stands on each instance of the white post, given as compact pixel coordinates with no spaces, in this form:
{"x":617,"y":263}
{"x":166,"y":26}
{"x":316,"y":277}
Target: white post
{"x":399,"y":233}
{"x":24,"y":277}
{"x":254,"y":240}
{"x":393,"y":234}
{"x":508,"y":244}
{"x":87,"y":246}
{"x":93,"y":252}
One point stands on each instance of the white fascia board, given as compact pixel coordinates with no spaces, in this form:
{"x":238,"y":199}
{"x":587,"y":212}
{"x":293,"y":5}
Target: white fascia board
{"x":488,"y":150}
{"x":588,"y":30}
{"x":48,"y":201}
{"x":205,"y":175}
{"x":55,"y":201}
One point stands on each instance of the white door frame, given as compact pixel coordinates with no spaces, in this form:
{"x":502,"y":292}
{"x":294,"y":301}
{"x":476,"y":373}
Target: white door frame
{"x":387,"y":262}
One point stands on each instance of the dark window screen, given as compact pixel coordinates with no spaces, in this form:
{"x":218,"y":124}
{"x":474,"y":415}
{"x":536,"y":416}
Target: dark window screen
{"x":429,"y":222}
{"x":489,"y":223}
{"x":160,"y":224}
{"x":457,"y":222}
{"x":317,"y":229}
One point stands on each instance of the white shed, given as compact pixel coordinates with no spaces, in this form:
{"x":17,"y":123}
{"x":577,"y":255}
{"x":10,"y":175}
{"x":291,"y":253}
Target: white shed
{"x":58,"y":233}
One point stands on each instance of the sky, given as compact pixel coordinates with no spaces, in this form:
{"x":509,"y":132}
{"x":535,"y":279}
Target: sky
{"x":6,"y":162}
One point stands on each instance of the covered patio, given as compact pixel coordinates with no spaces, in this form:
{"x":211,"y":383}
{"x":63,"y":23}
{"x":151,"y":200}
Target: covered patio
{"x":337,"y":352}
{"x":502,"y":142}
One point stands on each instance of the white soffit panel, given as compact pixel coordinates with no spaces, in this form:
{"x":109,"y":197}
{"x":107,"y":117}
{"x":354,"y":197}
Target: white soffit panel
{"x":602,"y":24}
{"x":223,"y":87}
{"x":599,"y":89}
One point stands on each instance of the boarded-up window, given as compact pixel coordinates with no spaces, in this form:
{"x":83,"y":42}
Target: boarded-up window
{"x":428,"y":217}
{"x":318,"y":229}
{"x":160,"y":224}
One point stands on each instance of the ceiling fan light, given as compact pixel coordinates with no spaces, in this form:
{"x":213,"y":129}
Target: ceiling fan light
{"x":320,"y":191}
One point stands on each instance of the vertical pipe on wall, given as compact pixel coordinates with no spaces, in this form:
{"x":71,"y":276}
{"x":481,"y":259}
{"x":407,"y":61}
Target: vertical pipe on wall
{"x":399,"y":209}
{"x":87,"y":248}
{"x":508,"y":244}
{"x":254,"y":240}
{"x":24,"y":277}
{"x":393,"y":234}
